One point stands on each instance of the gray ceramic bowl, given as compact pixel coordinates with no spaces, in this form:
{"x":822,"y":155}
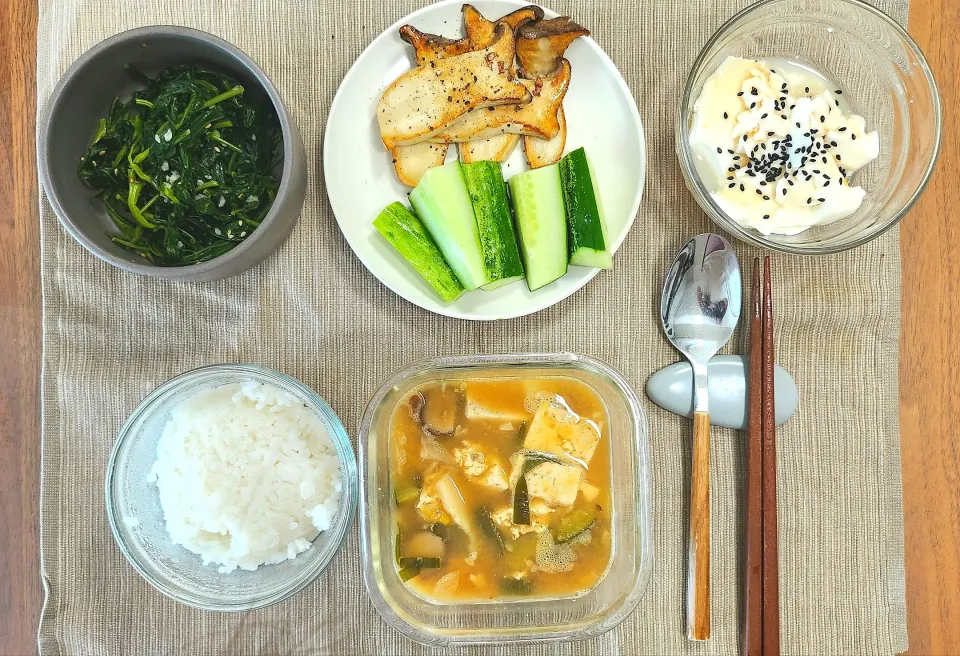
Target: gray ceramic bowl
{"x":83,"y":96}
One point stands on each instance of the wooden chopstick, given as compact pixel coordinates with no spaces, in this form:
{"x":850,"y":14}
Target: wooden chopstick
{"x":771,"y":567}
{"x":752,"y":638}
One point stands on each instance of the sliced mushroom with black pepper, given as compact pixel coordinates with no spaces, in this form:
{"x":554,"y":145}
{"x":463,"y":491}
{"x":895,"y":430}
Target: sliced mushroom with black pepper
{"x":480,"y":30}
{"x":432,"y":47}
{"x":541,"y":44}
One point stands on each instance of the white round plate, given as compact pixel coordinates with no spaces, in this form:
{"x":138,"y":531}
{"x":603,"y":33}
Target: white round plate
{"x":601,"y":116}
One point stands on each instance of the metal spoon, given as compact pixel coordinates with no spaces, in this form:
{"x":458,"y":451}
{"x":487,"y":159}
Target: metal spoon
{"x":699,"y":309}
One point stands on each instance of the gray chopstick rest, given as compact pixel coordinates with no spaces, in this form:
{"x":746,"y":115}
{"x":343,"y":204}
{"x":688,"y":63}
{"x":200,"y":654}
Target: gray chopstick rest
{"x":671,"y":388}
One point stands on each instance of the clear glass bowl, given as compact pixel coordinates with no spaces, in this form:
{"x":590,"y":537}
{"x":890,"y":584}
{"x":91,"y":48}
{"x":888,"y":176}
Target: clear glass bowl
{"x":884,"y":77}
{"x":136,"y":518}
{"x":593,"y":613}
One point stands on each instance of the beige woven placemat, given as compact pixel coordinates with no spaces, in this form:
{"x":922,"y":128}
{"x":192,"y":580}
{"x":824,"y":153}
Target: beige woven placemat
{"x":314,"y":312}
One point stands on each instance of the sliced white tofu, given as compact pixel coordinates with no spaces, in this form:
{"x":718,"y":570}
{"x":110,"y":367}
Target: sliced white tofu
{"x":470,"y":459}
{"x":589,"y":492}
{"x":429,"y":506}
{"x":495,"y":478}
{"x":556,"y":429}
{"x":503,"y":517}
{"x":496,"y":400}
{"x":555,"y":484}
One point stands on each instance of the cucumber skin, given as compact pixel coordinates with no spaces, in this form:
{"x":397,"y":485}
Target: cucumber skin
{"x":407,"y":235}
{"x":585,"y":228}
{"x":530,"y":225}
{"x":436,"y":199}
{"x":488,"y":193}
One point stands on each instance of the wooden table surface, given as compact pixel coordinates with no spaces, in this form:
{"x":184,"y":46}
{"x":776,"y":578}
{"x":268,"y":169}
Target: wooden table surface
{"x":929,"y":349}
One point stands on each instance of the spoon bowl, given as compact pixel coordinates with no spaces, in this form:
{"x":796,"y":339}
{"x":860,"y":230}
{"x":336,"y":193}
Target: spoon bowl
{"x":699,"y":310}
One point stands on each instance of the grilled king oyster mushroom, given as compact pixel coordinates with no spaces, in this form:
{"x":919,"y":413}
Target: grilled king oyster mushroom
{"x":541,"y":44}
{"x":480,"y":30}
{"x":421,"y":102}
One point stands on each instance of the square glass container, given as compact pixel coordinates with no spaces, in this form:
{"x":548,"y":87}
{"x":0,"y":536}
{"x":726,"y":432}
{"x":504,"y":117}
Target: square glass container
{"x":512,"y":620}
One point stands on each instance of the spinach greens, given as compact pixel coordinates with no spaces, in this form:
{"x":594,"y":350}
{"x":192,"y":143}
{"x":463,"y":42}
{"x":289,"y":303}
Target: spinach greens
{"x":185,"y":168}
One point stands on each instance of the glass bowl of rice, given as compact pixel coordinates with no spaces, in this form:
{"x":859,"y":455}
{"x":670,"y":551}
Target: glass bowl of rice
{"x":231,"y":487}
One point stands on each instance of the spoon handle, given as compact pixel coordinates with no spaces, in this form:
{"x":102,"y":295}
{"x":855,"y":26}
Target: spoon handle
{"x":698,"y":565}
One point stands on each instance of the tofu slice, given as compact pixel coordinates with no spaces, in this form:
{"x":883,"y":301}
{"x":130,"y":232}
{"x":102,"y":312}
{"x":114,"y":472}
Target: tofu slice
{"x":496,"y":400}
{"x":590,"y":492}
{"x":470,"y":459}
{"x":556,"y":429}
{"x":504,"y":518}
{"x":556,"y":484}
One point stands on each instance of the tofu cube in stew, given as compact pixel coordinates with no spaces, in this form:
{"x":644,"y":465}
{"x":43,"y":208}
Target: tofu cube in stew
{"x":554,"y":483}
{"x":496,"y":400}
{"x":556,"y":429}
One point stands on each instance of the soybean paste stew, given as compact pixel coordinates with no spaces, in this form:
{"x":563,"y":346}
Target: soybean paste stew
{"x":502,"y":488}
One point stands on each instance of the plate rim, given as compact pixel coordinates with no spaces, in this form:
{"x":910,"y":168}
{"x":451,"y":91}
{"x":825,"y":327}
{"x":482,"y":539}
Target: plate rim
{"x":450,"y":310}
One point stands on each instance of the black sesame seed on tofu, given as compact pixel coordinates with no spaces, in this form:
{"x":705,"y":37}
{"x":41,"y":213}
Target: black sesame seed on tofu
{"x":753,"y":91}
{"x":729,"y":177}
{"x":853,"y":137}
{"x":822,"y":200}
{"x":798,"y":125}
{"x":766,"y":198}
{"x":826,"y":184}
{"x":783,"y":116}
{"x":837,"y":102}
{"x":731,"y":185}
{"x":763,"y":116}
{"x":766,"y":216}
{"x":730,"y":150}
{"x":838,"y":157}
{"x":822,"y":118}
{"x":752,"y":105}
{"x":843,"y":129}
{"x":783,"y":192}
{"x":744,"y":137}
{"x":809,"y":200}
{"x":742,"y":188}
{"x":806,"y":89}
{"x":839,"y":92}
{"x":719,"y":150}
{"x":740,"y":94}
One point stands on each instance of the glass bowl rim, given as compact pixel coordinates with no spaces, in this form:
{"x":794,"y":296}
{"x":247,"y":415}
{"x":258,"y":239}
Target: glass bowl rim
{"x":702,"y":196}
{"x":641,"y":482}
{"x":338,"y":532}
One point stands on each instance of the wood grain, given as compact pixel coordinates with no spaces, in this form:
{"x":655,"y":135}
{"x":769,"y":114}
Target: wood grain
{"x":930,"y":362}
{"x":698,"y":563}
{"x":929,"y":369}
{"x":768,"y":457}
{"x":751,"y":643}
{"x":20,"y":591}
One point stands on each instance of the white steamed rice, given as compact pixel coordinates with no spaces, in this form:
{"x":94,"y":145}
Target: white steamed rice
{"x":247,"y":475}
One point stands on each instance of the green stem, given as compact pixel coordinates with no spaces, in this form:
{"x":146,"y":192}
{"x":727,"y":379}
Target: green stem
{"x":102,"y":130}
{"x":180,"y":137}
{"x":144,"y":103}
{"x":216,"y":137}
{"x":133,"y":195}
{"x":221,"y":124}
{"x":207,"y":185}
{"x":226,"y":95}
